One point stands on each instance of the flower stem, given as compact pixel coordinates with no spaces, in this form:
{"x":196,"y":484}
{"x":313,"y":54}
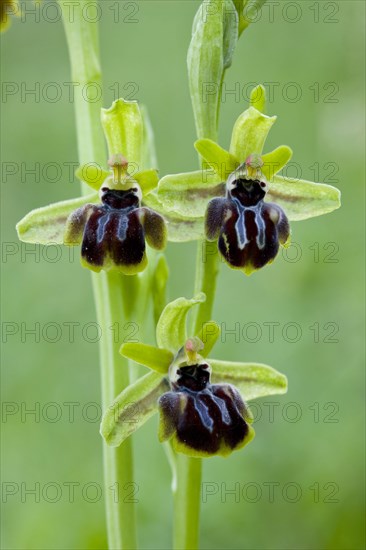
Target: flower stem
{"x":115,"y":375}
{"x":207,"y":269}
{"x":82,"y":38}
{"x":187,"y":502}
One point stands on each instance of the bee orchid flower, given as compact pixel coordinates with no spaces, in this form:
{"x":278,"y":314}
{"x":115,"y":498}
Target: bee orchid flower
{"x":113,"y":222}
{"x":201,"y":401}
{"x":239,"y":196}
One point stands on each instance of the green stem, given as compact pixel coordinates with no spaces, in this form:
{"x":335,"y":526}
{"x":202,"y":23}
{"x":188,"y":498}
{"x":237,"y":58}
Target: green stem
{"x":82,"y":38}
{"x":187,"y":502}
{"x":207,"y":269}
{"x":115,"y":375}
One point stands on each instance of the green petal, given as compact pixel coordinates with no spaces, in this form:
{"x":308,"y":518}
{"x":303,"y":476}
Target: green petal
{"x":220,"y":160}
{"x":208,"y":335}
{"x":147,"y":180}
{"x":123,"y":129}
{"x":274,"y":161}
{"x":92,"y":174}
{"x":132,"y":408}
{"x":154,"y":358}
{"x":258,"y":98}
{"x":171,"y":332}
{"x":214,"y":36}
{"x":47,"y":225}
{"x":250,"y":133}
{"x":252,"y":380}
{"x":187,"y":194}
{"x":158,"y":286}
{"x":303,"y":199}
{"x":180,"y":228}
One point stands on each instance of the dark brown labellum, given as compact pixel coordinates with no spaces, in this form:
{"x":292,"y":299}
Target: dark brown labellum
{"x":203,"y":419}
{"x":249,"y":230}
{"x":113,"y":233}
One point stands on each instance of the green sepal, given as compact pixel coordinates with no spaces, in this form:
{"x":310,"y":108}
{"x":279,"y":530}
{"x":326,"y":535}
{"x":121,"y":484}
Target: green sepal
{"x":303,"y":199}
{"x":157,"y":359}
{"x":181,"y":228}
{"x":251,"y":379}
{"x":187,"y":194}
{"x":92,"y":174}
{"x":171,"y":330}
{"x":47,"y":225}
{"x":214,"y":37}
{"x":274,"y":161}
{"x":258,"y":98}
{"x":159,"y":282}
{"x":123,"y":128}
{"x":209,"y":334}
{"x":250,"y":133}
{"x":132,"y":408}
{"x":220,"y":160}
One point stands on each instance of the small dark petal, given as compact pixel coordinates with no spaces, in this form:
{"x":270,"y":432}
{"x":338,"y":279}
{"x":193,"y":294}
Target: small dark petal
{"x":214,"y":217}
{"x":93,"y":249}
{"x":76,"y":223}
{"x":155,"y":229}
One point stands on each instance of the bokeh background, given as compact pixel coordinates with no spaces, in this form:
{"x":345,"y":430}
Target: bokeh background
{"x":299,"y":485}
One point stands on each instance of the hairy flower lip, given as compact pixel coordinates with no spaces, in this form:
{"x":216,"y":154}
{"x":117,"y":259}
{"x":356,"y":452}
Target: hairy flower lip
{"x":211,"y":421}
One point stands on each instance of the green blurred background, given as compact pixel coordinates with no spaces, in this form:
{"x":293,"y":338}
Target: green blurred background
{"x":310,"y":450}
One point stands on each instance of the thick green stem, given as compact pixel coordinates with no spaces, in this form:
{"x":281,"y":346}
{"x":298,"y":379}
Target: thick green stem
{"x":187,"y":502}
{"x":82,"y":38}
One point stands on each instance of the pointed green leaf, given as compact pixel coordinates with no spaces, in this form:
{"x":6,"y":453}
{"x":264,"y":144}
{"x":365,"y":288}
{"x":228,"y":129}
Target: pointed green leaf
{"x":208,"y":335}
{"x":123,"y":129}
{"x":220,"y":160}
{"x":252,"y":380}
{"x":214,"y":36}
{"x":46,"y":225}
{"x":303,"y":199}
{"x":171,"y":331}
{"x":92,"y":174}
{"x":181,"y":228}
{"x":250,"y":133}
{"x":154,"y":358}
{"x":274,"y":161}
{"x":158,"y":286}
{"x":147,"y":180}
{"x":187,"y":194}
{"x":258,"y":98}
{"x":132,"y":408}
